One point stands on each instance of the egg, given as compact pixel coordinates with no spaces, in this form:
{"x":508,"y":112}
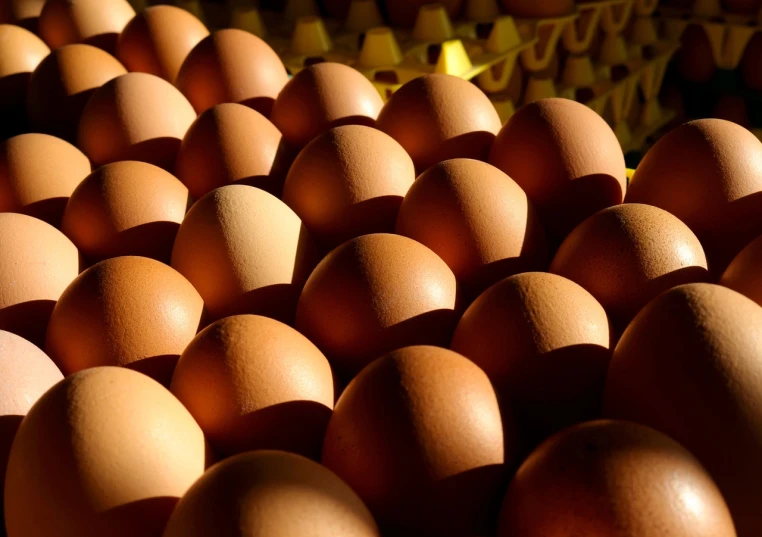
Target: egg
{"x":126,"y":311}
{"x":245,"y":251}
{"x":477,"y":219}
{"x":38,"y":173}
{"x":158,"y":40}
{"x":613,"y":478}
{"x":107,"y":451}
{"x":347,"y":182}
{"x":37,"y":264}
{"x":708,"y":173}
{"x":270,"y":494}
{"x":232,"y":143}
{"x":565,"y":157}
{"x":695,"y":59}
{"x":752,"y":76}
{"x":323,"y":96}
{"x":690,"y":366}
{"x":374,"y":294}
{"x":405,"y":12}
{"x":628,"y":254}
{"x":545,"y":343}
{"x":24,"y":13}
{"x":538,"y":10}
{"x":743,"y":273}
{"x":418,"y":434}
{"x":252,"y":383}
{"x":126,"y":208}
{"x":732,"y":108}
{"x":742,"y":7}
{"x":439,"y":117}
{"x":95,"y":22}
{"x":232,"y":66}
{"x":136,"y":116}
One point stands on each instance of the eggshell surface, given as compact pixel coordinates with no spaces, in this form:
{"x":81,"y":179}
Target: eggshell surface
{"x":94,"y":22}
{"x":270,"y":494}
{"x":126,"y":208}
{"x":743,"y":273}
{"x":689,"y":365}
{"x":695,"y":59}
{"x":254,"y":383}
{"x":610,"y":475}
{"x":24,"y":13}
{"x":126,"y":311}
{"x":107,"y":451}
{"x":349,"y":181}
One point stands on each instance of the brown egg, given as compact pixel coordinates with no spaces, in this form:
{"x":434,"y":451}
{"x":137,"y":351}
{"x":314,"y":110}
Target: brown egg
{"x":158,"y":40}
{"x":752,"y":75}
{"x":628,"y":254}
{"x":695,"y":60}
{"x":565,"y":157}
{"x":439,"y":117}
{"x":27,"y":373}
{"x":270,"y":494}
{"x":246,"y":252}
{"x":126,"y":311}
{"x":230,"y":143}
{"x":63,"y":83}
{"x":107,"y":451}
{"x":405,"y":12}
{"x":347,"y":182}
{"x":24,"y":13}
{"x":37,"y":264}
{"x":742,"y":7}
{"x":545,"y":343}
{"x":418,"y":435}
{"x":690,"y":366}
{"x":732,"y":108}
{"x":255,"y":383}
{"x":531,"y":9}
{"x":477,"y":219}
{"x":126,"y":208}
{"x":95,"y":22}
{"x":38,"y":173}
{"x":708,"y":173}
{"x":323,"y":96}
{"x":743,"y":274}
{"x":232,"y":66}
{"x":374,"y":294}
{"x":613,"y":478}
{"x":135,"y":117}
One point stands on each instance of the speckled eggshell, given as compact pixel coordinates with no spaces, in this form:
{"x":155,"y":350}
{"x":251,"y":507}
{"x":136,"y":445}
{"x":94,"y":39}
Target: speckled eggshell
{"x":419,"y":436}
{"x":405,"y":12}
{"x":95,"y":22}
{"x":24,"y":13}
{"x":609,"y":475}
{"x":232,"y":66}
{"x":126,"y":311}
{"x":37,"y":264}
{"x":255,"y":383}
{"x":708,"y":173}
{"x":323,"y":96}
{"x":62,"y":84}
{"x":135,"y":117}
{"x":743,"y":274}
{"x":38,"y":173}
{"x":374,"y":294}
{"x":565,"y":157}
{"x":231,"y":143}
{"x":246,"y":252}
{"x":695,"y":59}
{"x":126,"y":208}
{"x":690,"y":366}
{"x":107,"y":451}
{"x":532,"y":9}
{"x":347,"y":182}
{"x":270,"y":494}
{"x":626,"y":255}
{"x":477,"y":219}
{"x":158,"y":40}
{"x":545,"y":344}
{"x":438,"y":117}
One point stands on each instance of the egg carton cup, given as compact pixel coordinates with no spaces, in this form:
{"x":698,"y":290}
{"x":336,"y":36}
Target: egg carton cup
{"x":652,"y":119}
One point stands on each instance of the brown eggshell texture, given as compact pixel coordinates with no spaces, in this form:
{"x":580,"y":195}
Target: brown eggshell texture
{"x":126,"y":311}
{"x":323,"y":96}
{"x":609,"y":475}
{"x":107,"y":451}
{"x":126,"y":208}
{"x":477,"y":219}
{"x":349,"y":181}
{"x":743,"y":274}
{"x":690,"y":366}
{"x":25,"y":13}
{"x":261,"y":253}
{"x":270,"y":494}
{"x":158,"y":40}
{"x":135,"y":117}
{"x":231,"y":143}
{"x":38,"y":173}
{"x":94,"y":22}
